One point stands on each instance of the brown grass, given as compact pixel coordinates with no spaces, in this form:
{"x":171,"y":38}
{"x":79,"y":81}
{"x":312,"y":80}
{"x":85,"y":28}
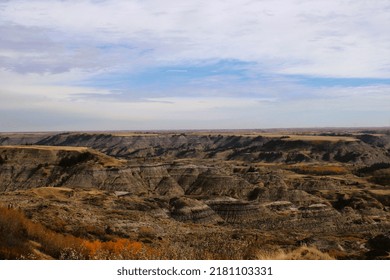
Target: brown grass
{"x":47,"y":148}
{"x":85,"y":154}
{"x":135,"y":134}
{"x":20,"y":238}
{"x":287,"y":136}
{"x":301,"y":253}
{"x":380,"y":192}
{"x":293,"y":137}
{"x":58,"y":193}
{"x":13,"y":234}
{"x":319,"y":170}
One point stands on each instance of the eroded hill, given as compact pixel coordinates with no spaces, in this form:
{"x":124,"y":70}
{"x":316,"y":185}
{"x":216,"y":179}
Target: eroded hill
{"x":183,"y":191}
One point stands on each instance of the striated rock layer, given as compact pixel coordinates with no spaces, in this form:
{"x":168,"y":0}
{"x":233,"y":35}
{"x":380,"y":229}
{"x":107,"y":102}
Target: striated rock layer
{"x":190,"y":210}
{"x":156,"y":187}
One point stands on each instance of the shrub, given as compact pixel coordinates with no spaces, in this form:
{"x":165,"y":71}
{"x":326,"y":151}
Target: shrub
{"x":17,"y":232}
{"x":75,"y":159}
{"x":320,"y":170}
{"x":372,"y":168}
{"x":13,"y":234}
{"x":381,"y":177}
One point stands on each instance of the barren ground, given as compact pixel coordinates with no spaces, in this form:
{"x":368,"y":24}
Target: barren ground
{"x":310,"y":194}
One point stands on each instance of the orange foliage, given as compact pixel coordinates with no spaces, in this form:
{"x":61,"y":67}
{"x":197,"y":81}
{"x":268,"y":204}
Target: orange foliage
{"x":16,"y":231}
{"x":92,"y":247}
{"x":13,"y":234}
{"x":120,"y":248}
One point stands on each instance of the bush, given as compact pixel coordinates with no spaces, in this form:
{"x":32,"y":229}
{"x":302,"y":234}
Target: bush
{"x":13,"y":234}
{"x":17,"y":232}
{"x":372,"y":168}
{"x":319,"y":170}
{"x":76,"y":159}
{"x":381,"y":177}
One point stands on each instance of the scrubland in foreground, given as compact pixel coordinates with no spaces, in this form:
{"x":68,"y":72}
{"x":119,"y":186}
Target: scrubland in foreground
{"x":24,"y":239}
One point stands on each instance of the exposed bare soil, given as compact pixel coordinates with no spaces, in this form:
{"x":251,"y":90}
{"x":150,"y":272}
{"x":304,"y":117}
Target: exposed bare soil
{"x":202,"y":194}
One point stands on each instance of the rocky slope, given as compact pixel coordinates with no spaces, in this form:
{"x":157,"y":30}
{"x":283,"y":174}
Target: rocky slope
{"x":359,"y":148}
{"x":331,"y":194}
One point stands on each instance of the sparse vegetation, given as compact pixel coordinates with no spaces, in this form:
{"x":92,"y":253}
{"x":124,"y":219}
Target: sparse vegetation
{"x":381,"y":177}
{"x":19,"y":234}
{"x":198,"y":195}
{"x":319,"y":170}
{"x":13,"y":234}
{"x":374,"y":167}
{"x":75,"y":159}
{"x":24,"y":239}
{"x":301,"y":253}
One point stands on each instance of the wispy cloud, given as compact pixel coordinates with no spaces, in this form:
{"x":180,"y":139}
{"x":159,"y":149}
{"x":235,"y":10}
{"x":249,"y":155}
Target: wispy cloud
{"x":148,"y":64}
{"x":300,"y":37}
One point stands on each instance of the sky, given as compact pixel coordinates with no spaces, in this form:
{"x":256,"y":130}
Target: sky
{"x":194,"y":64}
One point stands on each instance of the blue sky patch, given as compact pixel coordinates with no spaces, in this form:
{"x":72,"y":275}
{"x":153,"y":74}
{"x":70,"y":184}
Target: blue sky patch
{"x":172,"y":76}
{"x":339,"y":82}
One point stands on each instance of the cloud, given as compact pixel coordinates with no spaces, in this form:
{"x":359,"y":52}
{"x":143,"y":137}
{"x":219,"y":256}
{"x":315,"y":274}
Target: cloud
{"x":193,"y":64}
{"x":364,"y":106}
{"x":336,"y":39}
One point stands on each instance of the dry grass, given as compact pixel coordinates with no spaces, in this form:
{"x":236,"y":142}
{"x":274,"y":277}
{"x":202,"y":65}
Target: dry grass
{"x":301,"y":253}
{"x":135,"y":134}
{"x":380,"y":192}
{"x":311,"y":138}
{"x":319,"y":170}
{"x":83,"y":154}
{"x":211,"y":246}
{"x":23,"y":239}
{"x":286,"y":135}
{"x":58,"y":193}
{"x":47,"y":148}
{"x":13,"y":234}
{"x":214,"y":246}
